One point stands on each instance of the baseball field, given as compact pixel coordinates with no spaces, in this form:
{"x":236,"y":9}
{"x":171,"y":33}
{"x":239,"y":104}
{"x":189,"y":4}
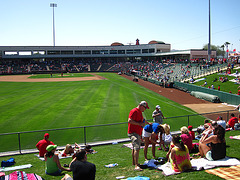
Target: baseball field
{"x":42,"y":102}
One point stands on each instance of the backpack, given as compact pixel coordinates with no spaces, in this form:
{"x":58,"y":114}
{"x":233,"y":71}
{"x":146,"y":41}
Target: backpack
{"x":237,"y":126}
{"x":8,"y":163}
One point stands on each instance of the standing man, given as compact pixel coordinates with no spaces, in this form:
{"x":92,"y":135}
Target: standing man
{"x":158,"y":115}
{"x":135,"y":127}
{"x":42,"y":144}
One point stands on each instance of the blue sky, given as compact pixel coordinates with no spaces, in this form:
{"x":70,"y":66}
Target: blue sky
{"x":181,"y":23}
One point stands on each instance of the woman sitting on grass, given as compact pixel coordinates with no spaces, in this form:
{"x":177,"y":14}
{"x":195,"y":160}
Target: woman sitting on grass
{"x":68,"y":150}
{"x":179,"y":155}
{"x":217,"y":148}
{"x":186,"y":138}
{"x":53,"y":166}
{"x":166,"y":137}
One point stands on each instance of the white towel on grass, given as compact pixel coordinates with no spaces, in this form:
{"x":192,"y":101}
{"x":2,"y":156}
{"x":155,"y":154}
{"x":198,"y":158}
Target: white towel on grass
{"x":15,"y":167}
{"x":200,"y":164}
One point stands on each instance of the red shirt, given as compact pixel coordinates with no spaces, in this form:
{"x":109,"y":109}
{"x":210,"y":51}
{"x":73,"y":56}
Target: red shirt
{"x":136,"y":115}
{"x":187,"y":140}
{"x":232,"y":121}
{"x":41,"y":145}
{"x":192,"y":133}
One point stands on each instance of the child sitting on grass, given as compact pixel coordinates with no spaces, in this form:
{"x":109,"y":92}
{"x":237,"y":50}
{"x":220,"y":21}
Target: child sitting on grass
{"x":191,"y":132}
{"x":166,"y":138}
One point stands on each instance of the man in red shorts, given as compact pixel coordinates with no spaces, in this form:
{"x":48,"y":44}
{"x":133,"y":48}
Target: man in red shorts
{"x":42,"y":144}
{"x":135,"y":127}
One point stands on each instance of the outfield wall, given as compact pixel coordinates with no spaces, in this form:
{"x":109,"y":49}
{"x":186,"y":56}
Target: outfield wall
{"x":224,"y":96}
{"x":25,"y":142}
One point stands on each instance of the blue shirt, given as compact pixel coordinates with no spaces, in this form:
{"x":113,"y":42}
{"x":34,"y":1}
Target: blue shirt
{"x":152,"y":128}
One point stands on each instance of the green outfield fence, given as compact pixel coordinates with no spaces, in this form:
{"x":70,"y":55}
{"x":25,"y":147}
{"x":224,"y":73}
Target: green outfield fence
{"x":223,"y":96}
{"x":24,"y":142}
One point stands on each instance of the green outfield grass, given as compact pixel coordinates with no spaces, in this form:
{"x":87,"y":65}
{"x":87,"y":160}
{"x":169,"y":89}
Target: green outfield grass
{"x":28,"y":106}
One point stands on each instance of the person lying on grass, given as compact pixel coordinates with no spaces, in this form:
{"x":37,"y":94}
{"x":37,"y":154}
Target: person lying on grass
{"x":68,"y":150}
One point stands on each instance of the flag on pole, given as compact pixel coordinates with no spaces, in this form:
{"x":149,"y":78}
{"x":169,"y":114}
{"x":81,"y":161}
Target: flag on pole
{"x":227,"y":50}
{"x":234,"y":50}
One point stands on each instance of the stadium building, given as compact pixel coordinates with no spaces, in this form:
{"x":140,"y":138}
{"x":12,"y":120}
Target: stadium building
{"x":154,"y":50}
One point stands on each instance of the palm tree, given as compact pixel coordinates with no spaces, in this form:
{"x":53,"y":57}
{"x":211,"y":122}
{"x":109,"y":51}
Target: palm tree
{"x":222,"y":46}
{"x":226,"y":44}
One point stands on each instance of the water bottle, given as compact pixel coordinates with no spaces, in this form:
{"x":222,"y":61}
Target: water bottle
{"x":111,"y":165}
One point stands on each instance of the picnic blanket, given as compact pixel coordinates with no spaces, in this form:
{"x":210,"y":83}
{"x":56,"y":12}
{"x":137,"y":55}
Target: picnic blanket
{"x":61,"y":156}
{"x":59,"y":153}
{"x":21,"y":175}
{"x":15,"y":167}
{"x":129,"y":145}
{"x":235,"y":137}
{"x":200,"y":164}
{"x":232,"y":172}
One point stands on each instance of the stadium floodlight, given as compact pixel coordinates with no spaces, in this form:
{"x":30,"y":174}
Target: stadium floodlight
{"x":53,"y":5}
{"x":209,"y":32}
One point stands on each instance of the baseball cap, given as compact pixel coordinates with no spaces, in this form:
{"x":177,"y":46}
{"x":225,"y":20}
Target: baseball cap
{"x":157,"y":106}
{"x":144,"y":103}
{"x":46,"y":135}
{"x":51,"y":147}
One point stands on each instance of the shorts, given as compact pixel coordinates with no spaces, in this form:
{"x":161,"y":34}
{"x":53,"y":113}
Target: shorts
{"x":209,"y":156}
{"x":146,"y":134}
{"x":136,"y":140}
{"x":67,"y":177}
{"x":57,"y":173}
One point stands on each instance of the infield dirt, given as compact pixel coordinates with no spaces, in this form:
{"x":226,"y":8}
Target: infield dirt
{"x":198,"y":105}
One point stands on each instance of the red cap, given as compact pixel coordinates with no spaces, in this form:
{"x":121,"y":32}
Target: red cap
{"x":189,"y":127}
{"x":145,"y":104}
{"x":46,"y":135}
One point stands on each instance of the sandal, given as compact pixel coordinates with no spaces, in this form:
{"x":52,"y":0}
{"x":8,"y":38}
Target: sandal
{"x":196,"y":155}
{"x":138,"y":169}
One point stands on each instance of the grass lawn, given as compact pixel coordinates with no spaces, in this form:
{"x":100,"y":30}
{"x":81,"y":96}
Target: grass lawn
{"x":226,"y":86}
{"x":109,"y":154}
{"x":30,"y":106}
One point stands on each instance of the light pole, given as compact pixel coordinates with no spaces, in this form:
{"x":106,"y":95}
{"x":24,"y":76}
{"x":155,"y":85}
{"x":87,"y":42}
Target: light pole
{"x":209,"y":35}
{"x":53,"y":5}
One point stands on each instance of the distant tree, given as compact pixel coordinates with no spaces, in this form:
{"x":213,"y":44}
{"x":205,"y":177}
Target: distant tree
{"x":226,"y":44}
{"x":218,"y":49}
{"x":222,"y":46}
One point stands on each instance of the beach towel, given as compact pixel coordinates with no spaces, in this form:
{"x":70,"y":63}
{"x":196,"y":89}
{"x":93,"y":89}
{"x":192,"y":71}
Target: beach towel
{"x":12,"y":168}
{"x":235,"y":137}
{"x":232,"y":172}
{"x":138,"y":178}
{"x":131,"y":147}
{"x":21,"y":175}
{"x":59,"y":153}
{"x":200,"y":164}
